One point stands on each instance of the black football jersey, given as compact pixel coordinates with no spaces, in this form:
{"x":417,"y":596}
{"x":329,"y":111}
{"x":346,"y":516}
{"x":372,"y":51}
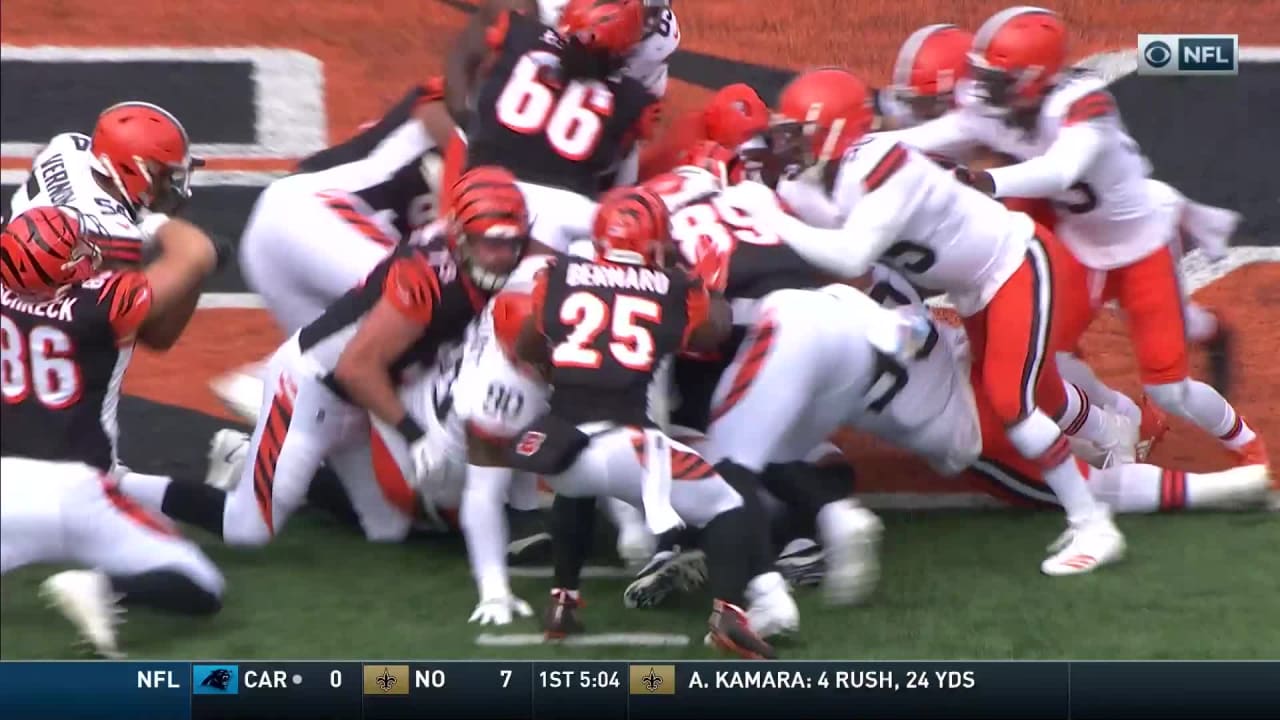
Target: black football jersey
{"x":424,"y":283}
{"x":63,"y":364}
{"x":609,"y":327}
{"x":394,"y":166}
{"x":567,"y":137}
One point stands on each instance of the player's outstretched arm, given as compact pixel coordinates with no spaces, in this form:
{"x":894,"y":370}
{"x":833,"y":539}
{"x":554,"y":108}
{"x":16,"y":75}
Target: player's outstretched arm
{"x":395,"y":323}
{"x":468,"y":51}
{"x":187,"y":257}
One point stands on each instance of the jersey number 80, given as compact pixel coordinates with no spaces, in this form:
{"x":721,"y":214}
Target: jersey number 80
{"x":573,"y":122}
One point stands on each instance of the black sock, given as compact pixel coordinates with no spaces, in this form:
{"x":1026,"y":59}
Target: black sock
{"x":685,"y":538}
{"x":729,"y":569}
{"x":804,"y":488}
{"x":196,"y":504}
{"x":326,"y":493}
{"x":573,"y":523}
{"x":166,"y":590}
{"x":758,"y":545}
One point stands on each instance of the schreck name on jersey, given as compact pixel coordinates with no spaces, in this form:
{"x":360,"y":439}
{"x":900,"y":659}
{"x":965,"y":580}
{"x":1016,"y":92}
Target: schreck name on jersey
{"x":59,"y":309}
{"x":614,"y":276}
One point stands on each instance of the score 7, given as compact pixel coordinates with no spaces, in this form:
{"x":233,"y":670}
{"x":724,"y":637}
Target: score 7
{"x":506,"y":677}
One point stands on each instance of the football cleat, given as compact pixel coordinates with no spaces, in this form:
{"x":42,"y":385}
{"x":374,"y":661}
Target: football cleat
{"x":1121,"y":446}
{"x":1253,"y":452}
{"x":668,"y":572}
{"x":852,"y":554}
{"x":1086,"y":545}
{"x":561,"y":617}
{"x":770,"y":608}
{"x":240,"y":391}
{"x":731,"y":631}
{"x":227,"y":453}
{"x":86,"y":599}
{"x":802,"y":562}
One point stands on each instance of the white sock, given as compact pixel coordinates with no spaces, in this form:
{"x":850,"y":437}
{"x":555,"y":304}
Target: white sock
{"x":1038,"y":439}
{"x":484,"y":525}
{"x":1202,"y":324}
{"x":147,"y":490}
{"x":1082,"y":419}
{"x":1077,"y":372}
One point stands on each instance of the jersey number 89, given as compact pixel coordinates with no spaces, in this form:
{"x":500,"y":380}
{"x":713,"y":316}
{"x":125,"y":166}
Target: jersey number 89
{"x":573,"y":122}
{"x":40,"y":364}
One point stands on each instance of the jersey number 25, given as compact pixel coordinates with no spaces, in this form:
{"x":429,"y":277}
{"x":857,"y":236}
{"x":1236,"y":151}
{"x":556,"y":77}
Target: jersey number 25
{"x":573,"y":122}
{"x":632,"y":344}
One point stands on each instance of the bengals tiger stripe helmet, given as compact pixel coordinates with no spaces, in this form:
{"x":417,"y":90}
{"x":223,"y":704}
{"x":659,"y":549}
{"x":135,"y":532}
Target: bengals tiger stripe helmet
{"x":46,"y":250}
{"x":488,"y":226}
{"x":144,"y":151}
{"x":610,"y":26}
{"x":1017,"y":55}
{"x":633,"y":227}
{"x":929,"y":64}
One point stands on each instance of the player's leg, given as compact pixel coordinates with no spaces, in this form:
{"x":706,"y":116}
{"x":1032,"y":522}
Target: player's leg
{"x":300,"y":423}
{"x":1150,"y":294}
{"x":377,"y":486}
{"x":621,"y":463}
{"x":1141,"y":488}
{"x":1016,"y":345}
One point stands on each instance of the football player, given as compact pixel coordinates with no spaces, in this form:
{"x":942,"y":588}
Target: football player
{"x":69,"y":321}
{"x":326,"y":380}
{"x":870,"y":198}
{"x":1077,"y":152}
{"x":466,"y":62}
{"x":600,"y":329}
{"x":734,"y":115}
{"x":317,"y":233}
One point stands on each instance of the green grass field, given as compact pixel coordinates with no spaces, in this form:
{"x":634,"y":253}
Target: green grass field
{"x":955,"y":586}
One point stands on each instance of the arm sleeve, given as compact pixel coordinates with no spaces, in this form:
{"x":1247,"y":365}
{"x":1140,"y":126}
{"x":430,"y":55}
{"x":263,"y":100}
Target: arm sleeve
{"x":129,"y":295}
{"x":1060,"y":167}
{"x":412,"y":288}
{"x":945,"y":135}
{"x":873,"y":223}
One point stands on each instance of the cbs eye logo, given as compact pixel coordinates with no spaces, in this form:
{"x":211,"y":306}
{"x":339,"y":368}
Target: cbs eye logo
{"x":1157,"y":54}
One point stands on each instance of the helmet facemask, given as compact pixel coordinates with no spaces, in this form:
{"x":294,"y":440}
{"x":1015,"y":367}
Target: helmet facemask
{"x":488,"y":258}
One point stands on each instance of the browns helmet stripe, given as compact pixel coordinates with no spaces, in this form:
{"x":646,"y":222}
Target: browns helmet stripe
{"x":996,"y":23}
{"x":910,"y":49}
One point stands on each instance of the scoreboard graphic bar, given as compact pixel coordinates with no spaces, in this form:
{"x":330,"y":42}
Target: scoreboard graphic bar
{"x":401,"y":690}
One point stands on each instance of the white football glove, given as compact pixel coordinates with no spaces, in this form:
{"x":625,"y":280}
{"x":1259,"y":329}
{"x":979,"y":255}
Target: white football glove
{"x":424,"y":461}
{"x":500,"y":610}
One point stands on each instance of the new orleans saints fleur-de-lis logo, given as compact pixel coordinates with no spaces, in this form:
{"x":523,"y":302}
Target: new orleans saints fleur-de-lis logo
{"x":385,"y":681}
{"x":652,"y":681}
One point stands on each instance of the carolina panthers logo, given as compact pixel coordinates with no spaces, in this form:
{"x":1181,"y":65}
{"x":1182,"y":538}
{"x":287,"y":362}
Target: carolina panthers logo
{"x":217,"y":679}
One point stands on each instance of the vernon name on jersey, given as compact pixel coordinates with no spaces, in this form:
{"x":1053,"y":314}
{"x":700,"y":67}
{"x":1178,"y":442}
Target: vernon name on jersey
{"x":62,"y":174}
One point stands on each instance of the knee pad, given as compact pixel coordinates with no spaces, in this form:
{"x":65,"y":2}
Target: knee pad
{"x":1171,"y":397}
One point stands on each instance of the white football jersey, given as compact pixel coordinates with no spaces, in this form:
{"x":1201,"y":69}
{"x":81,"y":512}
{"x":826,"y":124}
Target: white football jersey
{"x":935,"y":412}
{"x":648,"y":61}
{"x":62,"y":174}
{"x":893,"y":204}
{"x":1106,"y":214}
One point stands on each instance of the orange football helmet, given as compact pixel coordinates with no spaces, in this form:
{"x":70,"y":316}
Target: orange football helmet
{"x":611,"y":26}
{"x":145,"y":153}
{"x":1017,"y":54}
{"x":735,"y":114}
{"x":633,"y":227}
{"x":45,"y":250}
{"x":488,"y":226}
{"x":929,"y":63}
{"x":820,"y":114}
